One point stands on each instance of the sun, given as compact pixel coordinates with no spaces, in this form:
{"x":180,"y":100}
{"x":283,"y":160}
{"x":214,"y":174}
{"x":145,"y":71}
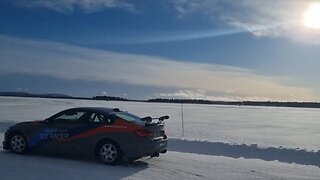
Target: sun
{"x":312,"y":16}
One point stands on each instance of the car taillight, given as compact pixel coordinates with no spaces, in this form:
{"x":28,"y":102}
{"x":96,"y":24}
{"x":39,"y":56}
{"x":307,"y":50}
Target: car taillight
{"x":143,"y":133}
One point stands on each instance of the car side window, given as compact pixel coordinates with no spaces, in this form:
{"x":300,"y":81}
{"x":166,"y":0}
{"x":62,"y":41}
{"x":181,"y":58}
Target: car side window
{"x":99,"y":118}
{"x":69,"y":117}
{"x":129,"y":117}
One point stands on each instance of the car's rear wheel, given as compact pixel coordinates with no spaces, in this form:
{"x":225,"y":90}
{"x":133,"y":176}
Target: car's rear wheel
{"x":109,"y":153}
{"x":18,"y":143}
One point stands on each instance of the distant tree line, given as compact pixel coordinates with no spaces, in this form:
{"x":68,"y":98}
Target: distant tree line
{"x":239,"y":103}
{"x":109,"y":98}
{"x":53,"y":95}
{"x":179,"y":101}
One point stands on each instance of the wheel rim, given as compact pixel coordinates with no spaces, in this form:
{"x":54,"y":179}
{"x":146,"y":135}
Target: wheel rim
{"x":18,"y":143}
{"x":108,"y":153}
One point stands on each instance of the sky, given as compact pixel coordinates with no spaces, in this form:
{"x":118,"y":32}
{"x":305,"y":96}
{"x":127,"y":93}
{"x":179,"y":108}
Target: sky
{"x":199,"y":49}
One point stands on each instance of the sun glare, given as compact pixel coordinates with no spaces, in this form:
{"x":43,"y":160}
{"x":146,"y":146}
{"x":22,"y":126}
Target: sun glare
{"x":312,"y":16}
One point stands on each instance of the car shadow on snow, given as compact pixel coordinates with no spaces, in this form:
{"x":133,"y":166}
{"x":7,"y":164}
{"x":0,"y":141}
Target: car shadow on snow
{"x":53,"y":166}
{"x":297,"y":156}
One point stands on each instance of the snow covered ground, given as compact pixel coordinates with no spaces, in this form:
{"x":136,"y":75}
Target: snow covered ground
{"x":264,"y":126}
{"x":220,"y":142}
{"x":174,"y":165}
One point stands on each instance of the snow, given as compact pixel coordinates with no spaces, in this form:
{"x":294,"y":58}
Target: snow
{"x":264,"y":126}
{"x":173,"y":165}
{"x":220,"y":142}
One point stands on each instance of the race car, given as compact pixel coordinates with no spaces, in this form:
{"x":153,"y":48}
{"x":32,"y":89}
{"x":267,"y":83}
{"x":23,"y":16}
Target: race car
{"x":108,"y":134}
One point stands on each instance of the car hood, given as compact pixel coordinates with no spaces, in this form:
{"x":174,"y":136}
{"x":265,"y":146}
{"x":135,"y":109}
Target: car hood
{"x":30,"y":122}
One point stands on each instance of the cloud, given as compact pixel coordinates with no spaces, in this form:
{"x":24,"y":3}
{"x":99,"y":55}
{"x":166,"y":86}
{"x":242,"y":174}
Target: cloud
{"x":68,"y":6}
{"x":200,"y":94}
{"x":271,"y":18}
{"x":77,"y":63}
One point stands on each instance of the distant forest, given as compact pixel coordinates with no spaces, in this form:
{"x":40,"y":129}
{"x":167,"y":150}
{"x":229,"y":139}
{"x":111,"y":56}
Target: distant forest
{"x":239,"y":103}
{"x":163,"y":100}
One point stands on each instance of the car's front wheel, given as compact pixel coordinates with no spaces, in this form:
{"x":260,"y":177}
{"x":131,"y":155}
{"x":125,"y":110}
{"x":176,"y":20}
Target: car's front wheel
{"x":18,"y":143}
{"x":109,"y":153}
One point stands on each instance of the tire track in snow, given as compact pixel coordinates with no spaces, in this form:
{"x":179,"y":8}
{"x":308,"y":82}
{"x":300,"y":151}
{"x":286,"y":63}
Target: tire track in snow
{"x":173,"y":170}
{"x":298,"y":156}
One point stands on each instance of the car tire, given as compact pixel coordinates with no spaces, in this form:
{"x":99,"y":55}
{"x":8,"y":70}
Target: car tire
{"x":18,"y":143}
{"x":109,"y":153}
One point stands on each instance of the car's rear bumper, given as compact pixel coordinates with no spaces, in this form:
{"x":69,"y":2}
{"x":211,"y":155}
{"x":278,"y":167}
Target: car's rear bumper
{"x":146,"y":149}
{"x":158,"y":146}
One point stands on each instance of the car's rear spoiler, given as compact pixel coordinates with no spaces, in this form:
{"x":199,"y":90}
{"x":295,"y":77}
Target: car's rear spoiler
{"x":149,"y":119}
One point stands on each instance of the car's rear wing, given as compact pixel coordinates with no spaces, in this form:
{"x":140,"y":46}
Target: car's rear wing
{"x":149,"y":119}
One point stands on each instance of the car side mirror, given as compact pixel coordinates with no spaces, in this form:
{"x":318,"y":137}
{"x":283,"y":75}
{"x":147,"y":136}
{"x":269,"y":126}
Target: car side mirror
{"x":46,"y":121}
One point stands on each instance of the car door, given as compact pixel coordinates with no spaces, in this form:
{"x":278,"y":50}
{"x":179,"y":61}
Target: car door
{"x":97,"y":126}
{"x":60,"y":130}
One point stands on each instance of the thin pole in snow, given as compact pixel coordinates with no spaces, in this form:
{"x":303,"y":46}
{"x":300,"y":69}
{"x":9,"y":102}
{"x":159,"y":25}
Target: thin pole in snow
{"x":182,"y":120}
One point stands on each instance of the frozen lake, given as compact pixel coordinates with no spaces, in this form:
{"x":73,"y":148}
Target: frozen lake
{"x":264,"y":126}
{"x":220,"y":142}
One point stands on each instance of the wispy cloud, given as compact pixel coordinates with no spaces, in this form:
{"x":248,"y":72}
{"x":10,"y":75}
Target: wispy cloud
{"x":76,"y":63}
{"x":68,"y":6}
{"x":172,"y":36}
{"x":272,"y":18}
{"x":201,"y":94}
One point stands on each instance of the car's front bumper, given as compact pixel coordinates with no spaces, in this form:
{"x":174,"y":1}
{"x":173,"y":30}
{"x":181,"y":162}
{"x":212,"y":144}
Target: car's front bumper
{"x":5,"y":145}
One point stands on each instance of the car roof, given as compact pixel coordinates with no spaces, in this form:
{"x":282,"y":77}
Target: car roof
{"x":96,"y":109}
